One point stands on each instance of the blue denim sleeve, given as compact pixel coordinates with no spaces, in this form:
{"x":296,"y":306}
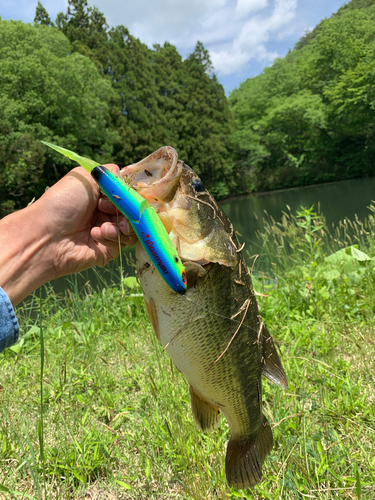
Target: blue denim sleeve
{"x":9,"y":328}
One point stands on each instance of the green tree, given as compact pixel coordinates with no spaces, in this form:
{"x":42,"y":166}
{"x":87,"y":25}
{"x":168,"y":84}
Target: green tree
{"x":137,"y":116}
{"x":87,"y":30}
{"x":197,"y":119}
{"x":169,"y":74}
{"x":46,"y":93}
{"x":41,"y":15}
{"x":206,"y":123}
{"x":341,"y":70}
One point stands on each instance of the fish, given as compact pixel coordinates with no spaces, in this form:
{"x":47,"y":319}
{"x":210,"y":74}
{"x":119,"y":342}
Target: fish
{"x":213,"y":333}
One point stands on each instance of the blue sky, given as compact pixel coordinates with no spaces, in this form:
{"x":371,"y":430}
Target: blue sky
{"x":243,"y":36}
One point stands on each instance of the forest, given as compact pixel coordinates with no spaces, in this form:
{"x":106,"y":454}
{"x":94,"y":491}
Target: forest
{"x":308,"y":118}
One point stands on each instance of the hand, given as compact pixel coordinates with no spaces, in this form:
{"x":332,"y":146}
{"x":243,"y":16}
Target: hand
{"x":85,"y":230}
{"x":69,"y":229}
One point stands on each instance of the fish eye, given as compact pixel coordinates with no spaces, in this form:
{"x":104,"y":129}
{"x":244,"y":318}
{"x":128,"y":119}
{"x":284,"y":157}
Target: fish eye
{"x":197,"y":185}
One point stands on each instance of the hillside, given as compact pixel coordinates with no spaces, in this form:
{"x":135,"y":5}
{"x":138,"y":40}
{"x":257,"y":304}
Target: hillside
{"x":309,"y":117}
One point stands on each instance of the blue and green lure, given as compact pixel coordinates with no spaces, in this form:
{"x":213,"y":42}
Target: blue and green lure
{"x":145,"y":221}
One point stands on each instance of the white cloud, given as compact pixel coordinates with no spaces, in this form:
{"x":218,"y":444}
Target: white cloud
{"x":228,"y":62}
{"x":157,"y":21}
{"x":243,"y":7}
{"x":234,"y":31}
{"x":228,"y":28}
{"x":250,"y":42}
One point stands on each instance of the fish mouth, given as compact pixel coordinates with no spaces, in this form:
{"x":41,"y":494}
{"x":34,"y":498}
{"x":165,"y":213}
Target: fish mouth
{"x":157,"y":176}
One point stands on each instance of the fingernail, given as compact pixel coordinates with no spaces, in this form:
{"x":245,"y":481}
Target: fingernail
{"x":124,"y":226}
{"x":104,"y":201}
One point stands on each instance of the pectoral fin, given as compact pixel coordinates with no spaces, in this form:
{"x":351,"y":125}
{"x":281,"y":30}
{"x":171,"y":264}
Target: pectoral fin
{"x":194,"y":272}
{"x":272,"y":367}
{"x":206,"y":415}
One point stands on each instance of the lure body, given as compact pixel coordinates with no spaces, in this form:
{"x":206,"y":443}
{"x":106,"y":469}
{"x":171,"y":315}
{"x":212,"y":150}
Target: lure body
{"x":145,"y":221}
{"x":147,"y":226}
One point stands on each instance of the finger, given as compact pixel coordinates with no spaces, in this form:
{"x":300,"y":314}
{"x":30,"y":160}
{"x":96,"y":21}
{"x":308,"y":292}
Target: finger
{"x":110,"y":226}
{"x":111,"y":166}
{"x":106,"y":206}
{"x":126,"y":227}
{"x":125,"y":241}
{"x":108,"y":233}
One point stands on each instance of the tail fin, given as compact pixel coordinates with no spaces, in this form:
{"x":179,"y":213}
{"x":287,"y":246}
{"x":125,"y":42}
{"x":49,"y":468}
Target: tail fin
{"x":244,"y":460}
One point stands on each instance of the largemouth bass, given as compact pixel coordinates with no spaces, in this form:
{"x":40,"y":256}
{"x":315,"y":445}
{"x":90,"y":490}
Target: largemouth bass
{"x":213,"y":333}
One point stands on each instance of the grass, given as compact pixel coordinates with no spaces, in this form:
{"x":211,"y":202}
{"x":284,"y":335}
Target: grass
{"x":108,"y":416}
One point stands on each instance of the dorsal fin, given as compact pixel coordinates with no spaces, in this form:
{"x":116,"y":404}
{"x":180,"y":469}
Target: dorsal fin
{"x":272,"y":367}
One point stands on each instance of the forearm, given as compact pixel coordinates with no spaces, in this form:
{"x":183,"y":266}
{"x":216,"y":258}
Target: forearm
{"x":24,"y":262}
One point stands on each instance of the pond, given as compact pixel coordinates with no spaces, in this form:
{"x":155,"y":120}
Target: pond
{"x":335,"y":201}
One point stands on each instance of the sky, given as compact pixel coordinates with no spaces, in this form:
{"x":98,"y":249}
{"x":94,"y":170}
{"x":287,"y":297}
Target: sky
{"x":242,"y":36}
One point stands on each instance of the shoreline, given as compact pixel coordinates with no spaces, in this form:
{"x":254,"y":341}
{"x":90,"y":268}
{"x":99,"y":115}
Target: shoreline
{"x":263,"y":193}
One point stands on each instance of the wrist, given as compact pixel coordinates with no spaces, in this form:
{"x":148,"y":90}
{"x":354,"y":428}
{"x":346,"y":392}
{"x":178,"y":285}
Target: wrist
{"x":24,"y":258}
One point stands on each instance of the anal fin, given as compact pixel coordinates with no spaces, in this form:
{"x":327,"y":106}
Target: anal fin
{"x":206,"y":415}
{"x":245,"y":457}
{"x":272,"y":367}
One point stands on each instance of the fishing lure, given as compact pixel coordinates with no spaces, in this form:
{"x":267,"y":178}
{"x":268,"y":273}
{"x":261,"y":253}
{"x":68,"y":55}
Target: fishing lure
{"x":145,"y":221}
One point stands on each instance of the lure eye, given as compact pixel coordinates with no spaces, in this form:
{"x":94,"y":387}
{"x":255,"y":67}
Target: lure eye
{"x":197,"y":185}
{"x":176,"y":260}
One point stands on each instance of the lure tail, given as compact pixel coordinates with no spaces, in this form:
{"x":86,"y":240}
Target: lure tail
{"x":86,"y":163}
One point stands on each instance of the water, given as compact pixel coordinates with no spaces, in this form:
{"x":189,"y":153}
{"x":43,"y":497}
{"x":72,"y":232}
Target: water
{"x":335,"y":200}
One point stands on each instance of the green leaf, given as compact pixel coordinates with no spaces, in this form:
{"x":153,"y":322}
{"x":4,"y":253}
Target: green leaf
{"x":359,"y":255}
{"x":344,"y":259}
{"x":34,"y":331}
{"x":16,"y":348}
{"x":331,"y":274}
{"x":358,"y":487}
{"x":124,"y":485}
{"x":78,"y":476}
{"x":130,"y":282}
{"x":4,"y":489}
{"x":148,"y":468}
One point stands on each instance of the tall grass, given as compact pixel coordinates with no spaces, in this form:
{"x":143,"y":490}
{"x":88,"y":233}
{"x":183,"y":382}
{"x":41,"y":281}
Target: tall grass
{"x":117,"y":422}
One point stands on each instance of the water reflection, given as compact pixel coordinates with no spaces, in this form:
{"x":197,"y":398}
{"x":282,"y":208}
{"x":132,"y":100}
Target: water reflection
{"x":335,"y":200}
